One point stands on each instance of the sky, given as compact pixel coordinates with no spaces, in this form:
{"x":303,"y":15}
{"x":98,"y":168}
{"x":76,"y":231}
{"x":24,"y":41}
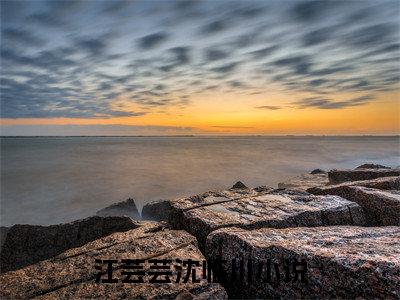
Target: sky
{"x":200,"y":67}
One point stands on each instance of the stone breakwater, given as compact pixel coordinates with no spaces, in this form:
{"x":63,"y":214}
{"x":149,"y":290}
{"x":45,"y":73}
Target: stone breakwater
{"x":338,"y":230}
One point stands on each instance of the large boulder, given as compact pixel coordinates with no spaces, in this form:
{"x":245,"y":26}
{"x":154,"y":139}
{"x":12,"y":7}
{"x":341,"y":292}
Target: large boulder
{"x":27,"y":244}
{"x":305,"y":181}
{"x":380,"y":207}
{"x":125,"y":208}
{"x":156,"y":210}
{"x":75,"y":274}
{"x":202,"y":214}
{"x":344,"y":262}
{"x":339,"y":176}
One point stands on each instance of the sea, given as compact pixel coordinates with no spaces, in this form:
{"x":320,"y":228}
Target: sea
{"x":51,"y":180}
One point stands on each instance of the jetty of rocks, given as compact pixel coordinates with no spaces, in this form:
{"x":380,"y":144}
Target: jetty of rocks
{"x":324,"y":234}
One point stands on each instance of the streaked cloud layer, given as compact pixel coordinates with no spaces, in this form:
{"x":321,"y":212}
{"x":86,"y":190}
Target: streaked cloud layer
{"x":112,"y":59}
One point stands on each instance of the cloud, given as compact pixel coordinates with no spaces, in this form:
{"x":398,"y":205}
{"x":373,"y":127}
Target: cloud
{"x":324,"y":103}
{"x":75,"y":58}
{"x":214,"y":27}
{"x":226,"y":68}
{"x":94,"y":46}
{"x":269,"y":107}
{"x":22,"y":36}
{"x":213,"y":54}
{"x":261,"y":53}
{"x":232,"y":127}
{"x":152,"y":40}
{"x":309,"y":11}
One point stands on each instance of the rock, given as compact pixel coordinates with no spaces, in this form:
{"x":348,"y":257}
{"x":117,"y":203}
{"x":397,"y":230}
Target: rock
{"x":305,"y":181}
{"x":157,"y":210}
{"x":382,"y":183}
{"x":72,"y":274}
{"x":3,"y":234}
{"x":239,"y":185}
{"x":318,"y":171}
{"x":339,"y":176}
{"x":372,"y":166}
{"x":342,"y":262}
{"x":125,"y":208}
{"x":202,"y":214}
{"x":380,"y":207}
{"x":28,"y":244}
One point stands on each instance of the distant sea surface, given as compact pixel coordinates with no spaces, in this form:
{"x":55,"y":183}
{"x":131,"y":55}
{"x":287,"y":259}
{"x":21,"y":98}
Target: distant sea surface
{"x":49,"y":180}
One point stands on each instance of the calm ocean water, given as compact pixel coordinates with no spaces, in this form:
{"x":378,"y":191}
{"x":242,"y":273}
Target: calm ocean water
{"x":52,"y":180}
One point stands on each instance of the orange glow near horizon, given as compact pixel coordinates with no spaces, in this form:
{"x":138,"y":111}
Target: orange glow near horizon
{"x":238,"y":114}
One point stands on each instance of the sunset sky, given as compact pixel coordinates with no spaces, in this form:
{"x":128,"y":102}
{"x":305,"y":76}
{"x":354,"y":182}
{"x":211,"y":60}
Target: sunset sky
{"x":204,"y":67}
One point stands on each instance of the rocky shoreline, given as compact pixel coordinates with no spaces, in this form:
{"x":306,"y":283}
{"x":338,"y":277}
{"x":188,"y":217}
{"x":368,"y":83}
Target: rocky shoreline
{"x":322,"y":234}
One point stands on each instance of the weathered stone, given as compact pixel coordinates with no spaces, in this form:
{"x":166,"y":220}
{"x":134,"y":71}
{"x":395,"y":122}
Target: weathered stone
{"x":202,"y":214}
{"x":318,"y":171}
{"x":125,"y":208}
{"x":339,"y":176}
{"x":157,"y":210}
{"x":382,"y":183}
{"x":372,"y":166}
{"x":380,"y":207}
{"x":342,"y":262}
{"x":72,"y":274}
{"x":239,"y":185}
{"x":305,"y":181}
{"x":28,"y":244}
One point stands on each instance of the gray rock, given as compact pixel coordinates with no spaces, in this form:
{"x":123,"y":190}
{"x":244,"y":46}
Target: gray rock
{"x":72,"y":274}
{"x":157,"y":210}
{"x":339,"y":176}
{"x":380,"y":207}
{"x":305,"y":181}
{"x":372,"y":166}
{"x":344,"y":262}
{"x":239,"y":185}
{"x":318,"y":171}
{"x":125,"y":208}
{"x":28,"y":244}
{"x":202,"y":214}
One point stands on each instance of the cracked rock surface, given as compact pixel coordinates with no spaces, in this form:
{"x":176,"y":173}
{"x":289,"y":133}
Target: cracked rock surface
{"x":342,"y":261}
{"x":381,"y":207}
{"x":72,"y":274}
{"x":202,"y":214}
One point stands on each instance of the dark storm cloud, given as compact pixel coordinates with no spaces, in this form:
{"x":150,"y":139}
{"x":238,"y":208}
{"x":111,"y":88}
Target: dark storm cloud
{"x":324,"y":103}
{"x":152,"y":40}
